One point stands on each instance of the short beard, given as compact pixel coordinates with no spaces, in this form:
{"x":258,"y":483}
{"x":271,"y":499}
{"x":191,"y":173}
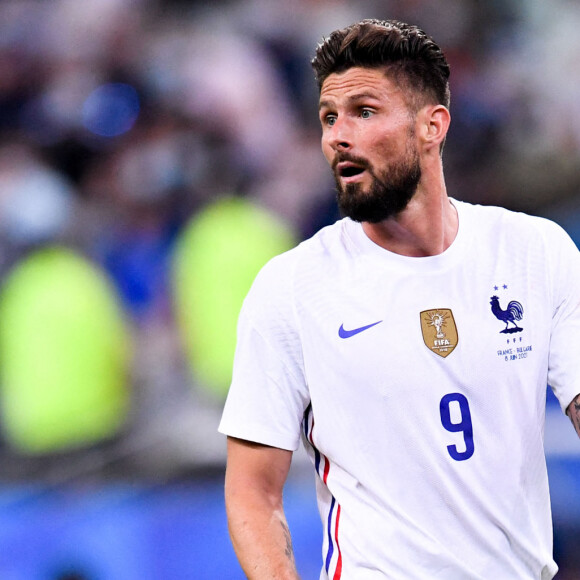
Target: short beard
{"x":389,"y":193}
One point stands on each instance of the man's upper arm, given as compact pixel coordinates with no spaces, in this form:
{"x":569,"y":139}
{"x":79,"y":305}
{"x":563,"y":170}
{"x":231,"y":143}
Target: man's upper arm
{"x":256,"y":467}
{"x":573,"y":411}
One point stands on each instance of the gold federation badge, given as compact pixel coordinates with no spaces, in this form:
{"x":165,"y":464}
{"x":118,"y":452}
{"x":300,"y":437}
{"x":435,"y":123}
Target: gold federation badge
{"x":439,"y":331}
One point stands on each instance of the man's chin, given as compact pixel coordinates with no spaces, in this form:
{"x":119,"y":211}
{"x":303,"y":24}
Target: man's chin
{"x":361,"y":208}
{"x":370,"y":218}
{"x":364,"y":213}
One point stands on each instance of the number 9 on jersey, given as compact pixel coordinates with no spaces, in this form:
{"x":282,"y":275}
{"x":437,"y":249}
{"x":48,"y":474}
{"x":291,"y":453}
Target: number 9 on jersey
{"x":457,"y":405}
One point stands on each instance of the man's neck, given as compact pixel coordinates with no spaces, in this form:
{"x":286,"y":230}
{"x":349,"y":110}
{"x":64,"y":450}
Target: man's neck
{"x":427,"y":227}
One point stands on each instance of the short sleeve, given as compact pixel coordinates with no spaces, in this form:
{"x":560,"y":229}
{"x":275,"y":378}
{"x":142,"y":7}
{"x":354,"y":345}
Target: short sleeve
{"x":268,"y":394}
{"x":564,"y":356}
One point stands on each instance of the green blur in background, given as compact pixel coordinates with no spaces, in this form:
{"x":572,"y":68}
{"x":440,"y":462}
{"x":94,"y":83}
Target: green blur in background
{"x":64,"y":354}
{"x":217,"y":258}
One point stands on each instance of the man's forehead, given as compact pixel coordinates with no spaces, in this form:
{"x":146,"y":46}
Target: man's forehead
{"x":356,"y":83}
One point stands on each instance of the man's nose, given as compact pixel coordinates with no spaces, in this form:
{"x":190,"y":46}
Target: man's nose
{"x":341,"y":135}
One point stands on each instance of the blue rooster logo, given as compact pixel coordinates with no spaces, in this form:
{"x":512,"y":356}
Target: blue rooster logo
{"x":513,"y":312}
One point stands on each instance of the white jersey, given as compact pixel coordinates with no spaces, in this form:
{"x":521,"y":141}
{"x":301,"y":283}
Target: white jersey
{"x":418,"y":387}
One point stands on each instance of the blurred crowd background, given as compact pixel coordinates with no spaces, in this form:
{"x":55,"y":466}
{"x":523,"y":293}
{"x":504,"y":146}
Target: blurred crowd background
{"x":153,"y":155}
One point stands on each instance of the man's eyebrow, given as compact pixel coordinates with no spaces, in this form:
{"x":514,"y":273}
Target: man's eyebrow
{"x":350,"y":100}
{"x":361,"y":96}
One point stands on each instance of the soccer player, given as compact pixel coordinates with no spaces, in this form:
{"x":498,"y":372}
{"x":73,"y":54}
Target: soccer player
{"x":408,"y":345}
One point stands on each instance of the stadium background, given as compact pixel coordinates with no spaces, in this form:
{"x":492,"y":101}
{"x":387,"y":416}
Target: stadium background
{"x":153,"y":154}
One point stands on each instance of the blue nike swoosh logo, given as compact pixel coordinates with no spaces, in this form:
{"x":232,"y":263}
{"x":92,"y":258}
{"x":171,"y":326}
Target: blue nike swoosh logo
{"x":348,"y":333}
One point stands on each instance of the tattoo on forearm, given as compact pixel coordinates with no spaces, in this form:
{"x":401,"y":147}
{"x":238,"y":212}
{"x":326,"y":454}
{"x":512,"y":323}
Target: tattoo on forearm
{"x":288,"y":550}
{"x":574,"y":413}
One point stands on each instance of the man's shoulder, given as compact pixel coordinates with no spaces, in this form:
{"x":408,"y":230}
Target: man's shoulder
{"x":280,"y":271}
{"x":501,"y":218}
{"x":331,"y":238}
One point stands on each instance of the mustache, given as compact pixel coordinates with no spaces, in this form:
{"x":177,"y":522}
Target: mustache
{"x":340,"y":157}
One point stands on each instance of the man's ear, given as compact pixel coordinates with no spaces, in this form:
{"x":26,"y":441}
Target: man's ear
{"x":435,"y":120}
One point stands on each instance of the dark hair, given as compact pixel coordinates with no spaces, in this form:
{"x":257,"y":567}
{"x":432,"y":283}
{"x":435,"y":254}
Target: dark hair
{"x":412,"y":58}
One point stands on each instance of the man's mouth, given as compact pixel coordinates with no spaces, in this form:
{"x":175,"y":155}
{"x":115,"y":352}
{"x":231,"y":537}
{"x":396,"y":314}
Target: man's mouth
{"x":347,"y":169}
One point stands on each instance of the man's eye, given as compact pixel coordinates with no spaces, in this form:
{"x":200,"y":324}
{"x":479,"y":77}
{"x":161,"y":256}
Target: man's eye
{"x":366,"y":113}
{"x":330,"y":120}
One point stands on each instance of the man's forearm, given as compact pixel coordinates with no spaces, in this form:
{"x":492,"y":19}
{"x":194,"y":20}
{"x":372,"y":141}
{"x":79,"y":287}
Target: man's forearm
{"x":261,"y":539}
{"x":573,"y":412}
{"x":255,"y":477}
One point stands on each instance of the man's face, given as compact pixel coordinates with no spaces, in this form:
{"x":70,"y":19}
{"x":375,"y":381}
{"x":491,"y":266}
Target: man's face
{"x":368,"y":138}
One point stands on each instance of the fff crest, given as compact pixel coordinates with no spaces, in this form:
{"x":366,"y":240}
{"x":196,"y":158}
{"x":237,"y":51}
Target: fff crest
{"x":439,"y":331}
